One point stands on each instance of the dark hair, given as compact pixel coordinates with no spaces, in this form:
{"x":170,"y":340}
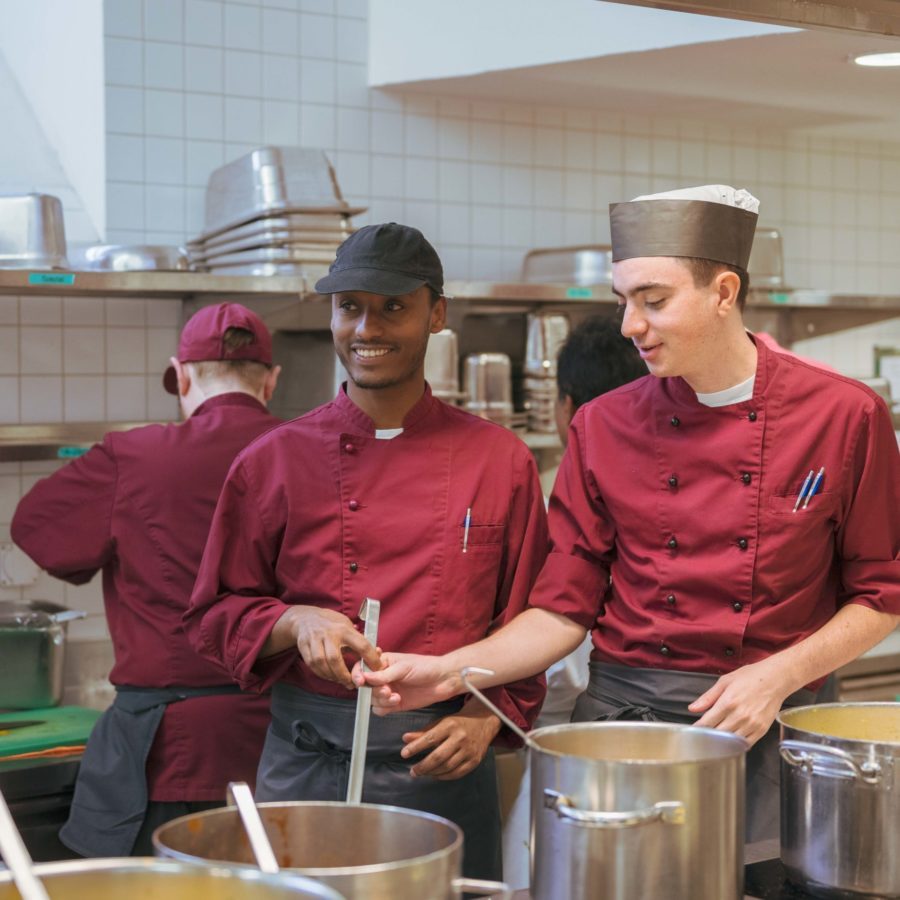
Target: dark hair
{"x":704,"y":270}
{"x":249,"y":372}
{"x":594,"y":359}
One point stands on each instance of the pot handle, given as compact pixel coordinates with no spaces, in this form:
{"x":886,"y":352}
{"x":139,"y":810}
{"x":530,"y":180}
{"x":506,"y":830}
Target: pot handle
{"x":67,"y":615}
{"x":820,"y":759}
{"x":666,"y":811}
{"x":483,"y":888}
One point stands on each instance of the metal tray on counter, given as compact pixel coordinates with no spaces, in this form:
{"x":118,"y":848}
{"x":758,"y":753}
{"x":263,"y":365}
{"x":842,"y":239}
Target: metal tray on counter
{"x":275,"y":240}
{"x":271,"y":179}
{"x":318,"y":227}
{"x":273,"y":255}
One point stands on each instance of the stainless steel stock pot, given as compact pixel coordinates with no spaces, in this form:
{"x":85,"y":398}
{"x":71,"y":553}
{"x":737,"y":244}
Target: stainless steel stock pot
{"x":153,"y":879}
{"x":840,"y":798}
{"x":364,"y":851}
{"x":622,"y":810}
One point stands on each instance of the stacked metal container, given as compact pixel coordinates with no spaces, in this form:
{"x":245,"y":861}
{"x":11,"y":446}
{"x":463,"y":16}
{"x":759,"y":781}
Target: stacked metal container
{"x":546,"y":333}
{"x":274,"y":211}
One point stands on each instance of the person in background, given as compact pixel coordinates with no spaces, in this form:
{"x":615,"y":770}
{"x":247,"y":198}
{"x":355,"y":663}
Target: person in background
{"x":744,"y":503}
{"x":594,"y":359}
{"x":137,"y":507}
{"x":390,"y":494}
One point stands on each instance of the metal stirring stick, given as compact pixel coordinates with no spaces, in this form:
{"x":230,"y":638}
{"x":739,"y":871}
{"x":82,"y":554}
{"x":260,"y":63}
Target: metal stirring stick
{"x":17,"y":858}
{"x":369,"y":612}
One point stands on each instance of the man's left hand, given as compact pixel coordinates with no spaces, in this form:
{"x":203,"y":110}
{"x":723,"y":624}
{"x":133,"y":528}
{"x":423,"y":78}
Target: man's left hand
{"x":455,"y":744}
{"x":744,"y":701}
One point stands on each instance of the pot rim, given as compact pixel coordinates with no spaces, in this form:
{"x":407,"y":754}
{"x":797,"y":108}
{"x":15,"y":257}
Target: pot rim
{"x":316,"y":871}
{"x":138,"y":864}
{"x":741,"y":745}
{"x":783,"y":719}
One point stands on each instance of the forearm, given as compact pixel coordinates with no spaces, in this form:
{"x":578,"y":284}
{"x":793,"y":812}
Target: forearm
{"x":529,"y":644}
{"x":849,"y":633}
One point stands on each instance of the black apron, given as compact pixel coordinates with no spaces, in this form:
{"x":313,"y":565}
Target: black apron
{"x":306,"y":756}
{"x":663,"y":695}
{"x":110,"y":798}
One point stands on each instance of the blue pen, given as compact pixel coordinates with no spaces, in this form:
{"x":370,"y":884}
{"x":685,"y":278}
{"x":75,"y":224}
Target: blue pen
{"x":803,"y":489}
{"x":815,"y":487}
{"x":467,"y":523}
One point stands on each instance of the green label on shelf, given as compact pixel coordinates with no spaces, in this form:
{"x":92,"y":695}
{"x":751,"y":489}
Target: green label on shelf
{"x":70,"y":452}
{"x":579,"y":293}
{"x":780,"y":298}
{"x":51,"y":278}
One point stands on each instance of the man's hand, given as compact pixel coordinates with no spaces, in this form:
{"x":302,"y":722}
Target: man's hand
{"x":408,"y":681}
{"x":457,"y":743}
{"x":745,"y":701}
{"x":321,"y":636}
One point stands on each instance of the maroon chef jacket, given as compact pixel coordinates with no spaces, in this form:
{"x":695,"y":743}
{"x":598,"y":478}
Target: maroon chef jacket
{"x":138,"y":506}
{"x":689,"y":508}
{"x":321,"y":512}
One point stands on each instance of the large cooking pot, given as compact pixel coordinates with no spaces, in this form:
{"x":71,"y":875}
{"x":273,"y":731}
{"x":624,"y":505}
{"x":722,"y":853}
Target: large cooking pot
{"x":622,"y":810}
{"x":365,"y":851}
{"x":32,"y":652}
{"x":152,"y":879}
{"x":840,"y":798}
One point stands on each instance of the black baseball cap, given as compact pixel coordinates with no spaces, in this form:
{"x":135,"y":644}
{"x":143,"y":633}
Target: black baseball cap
{"x":388,"y":259}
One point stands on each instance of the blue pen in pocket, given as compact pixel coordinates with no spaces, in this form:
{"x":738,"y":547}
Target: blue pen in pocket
{"x":466,"y":524}
{"x":815,"y":487}
{"x":806,"y":482}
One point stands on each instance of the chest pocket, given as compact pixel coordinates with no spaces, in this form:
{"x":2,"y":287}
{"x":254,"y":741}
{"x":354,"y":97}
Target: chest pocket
{"x":822,"y":506}
{"x":807,"y":533}
{"x":479,"y":569}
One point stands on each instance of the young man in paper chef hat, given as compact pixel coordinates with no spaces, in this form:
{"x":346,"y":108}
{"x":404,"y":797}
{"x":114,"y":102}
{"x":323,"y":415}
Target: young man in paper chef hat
{"x":728,"y":527}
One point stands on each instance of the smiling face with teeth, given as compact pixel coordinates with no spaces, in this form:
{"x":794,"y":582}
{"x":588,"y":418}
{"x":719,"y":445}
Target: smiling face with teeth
{"x":381,"y":340}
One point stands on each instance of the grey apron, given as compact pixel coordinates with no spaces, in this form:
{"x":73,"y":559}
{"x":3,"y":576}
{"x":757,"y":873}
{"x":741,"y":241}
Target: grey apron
{"x":110,"y":798}
{"x":663,"y":695}
{"x":306,"y":756}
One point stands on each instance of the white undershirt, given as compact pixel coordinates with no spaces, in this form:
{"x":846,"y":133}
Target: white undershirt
{"x":737,"y":394}
{"x":385,"y":434}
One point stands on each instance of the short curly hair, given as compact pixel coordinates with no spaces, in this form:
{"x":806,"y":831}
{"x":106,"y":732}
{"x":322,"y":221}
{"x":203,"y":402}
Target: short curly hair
{"x":594,"y":359}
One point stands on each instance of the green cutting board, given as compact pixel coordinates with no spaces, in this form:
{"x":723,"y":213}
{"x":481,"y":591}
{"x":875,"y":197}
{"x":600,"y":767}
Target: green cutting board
{"x":60,"y":726}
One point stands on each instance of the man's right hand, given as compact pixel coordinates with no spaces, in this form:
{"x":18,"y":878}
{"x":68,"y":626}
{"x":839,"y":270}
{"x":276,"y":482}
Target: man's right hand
{"x":408,"y":681}
{"x":321,"y":635}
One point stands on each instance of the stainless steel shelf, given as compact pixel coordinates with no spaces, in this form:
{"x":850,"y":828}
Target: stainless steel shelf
{"x":62,"y":441}
{"x":790,"y":315}
{"x":148,"y":284}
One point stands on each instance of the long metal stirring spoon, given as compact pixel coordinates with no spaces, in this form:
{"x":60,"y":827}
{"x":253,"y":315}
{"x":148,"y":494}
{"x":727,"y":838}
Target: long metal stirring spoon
{"x":16,"y":856}
{"x":239,"y":792}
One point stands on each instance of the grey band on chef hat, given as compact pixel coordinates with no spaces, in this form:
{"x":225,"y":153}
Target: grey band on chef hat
{"x":667,"y":225}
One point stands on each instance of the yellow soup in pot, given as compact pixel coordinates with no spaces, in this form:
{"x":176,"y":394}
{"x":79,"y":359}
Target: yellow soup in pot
{"x":879,"y":723}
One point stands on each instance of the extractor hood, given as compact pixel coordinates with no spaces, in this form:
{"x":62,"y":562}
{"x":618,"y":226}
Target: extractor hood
{"x":864,"y":16}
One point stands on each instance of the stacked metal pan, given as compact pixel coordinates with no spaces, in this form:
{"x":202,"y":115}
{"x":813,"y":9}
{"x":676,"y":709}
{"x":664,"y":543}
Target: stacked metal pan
{"x":274,"y":211}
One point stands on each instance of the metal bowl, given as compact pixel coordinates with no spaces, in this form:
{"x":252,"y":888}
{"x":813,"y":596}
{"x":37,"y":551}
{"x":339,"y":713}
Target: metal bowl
{"x":135,"y":258}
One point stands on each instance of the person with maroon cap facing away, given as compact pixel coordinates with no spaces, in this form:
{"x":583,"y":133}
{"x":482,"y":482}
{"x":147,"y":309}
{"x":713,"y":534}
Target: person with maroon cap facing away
{"x":386,"y":493}
{"x":137,"y":506}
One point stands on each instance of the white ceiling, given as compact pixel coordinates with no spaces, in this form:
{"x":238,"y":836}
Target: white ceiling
{"x":802,"y":80}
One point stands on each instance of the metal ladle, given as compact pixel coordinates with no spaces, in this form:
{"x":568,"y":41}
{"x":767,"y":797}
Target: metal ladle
{"x":464,"y":674}
{"x":239,"y":793}
{"x":17,"y":857}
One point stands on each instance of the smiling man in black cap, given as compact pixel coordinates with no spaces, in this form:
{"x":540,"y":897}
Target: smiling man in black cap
{"x":388,"y":493}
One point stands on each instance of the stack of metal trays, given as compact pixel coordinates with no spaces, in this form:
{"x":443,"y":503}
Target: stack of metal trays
{"x":274,"y":211}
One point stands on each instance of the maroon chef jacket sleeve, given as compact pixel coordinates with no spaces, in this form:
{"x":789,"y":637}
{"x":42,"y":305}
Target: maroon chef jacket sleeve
{"x":64,"y":522}
{"x":869,"y":535}
{"x":233,"y":606}
{"x":575,"y":577}
{"x":526,"y":551}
